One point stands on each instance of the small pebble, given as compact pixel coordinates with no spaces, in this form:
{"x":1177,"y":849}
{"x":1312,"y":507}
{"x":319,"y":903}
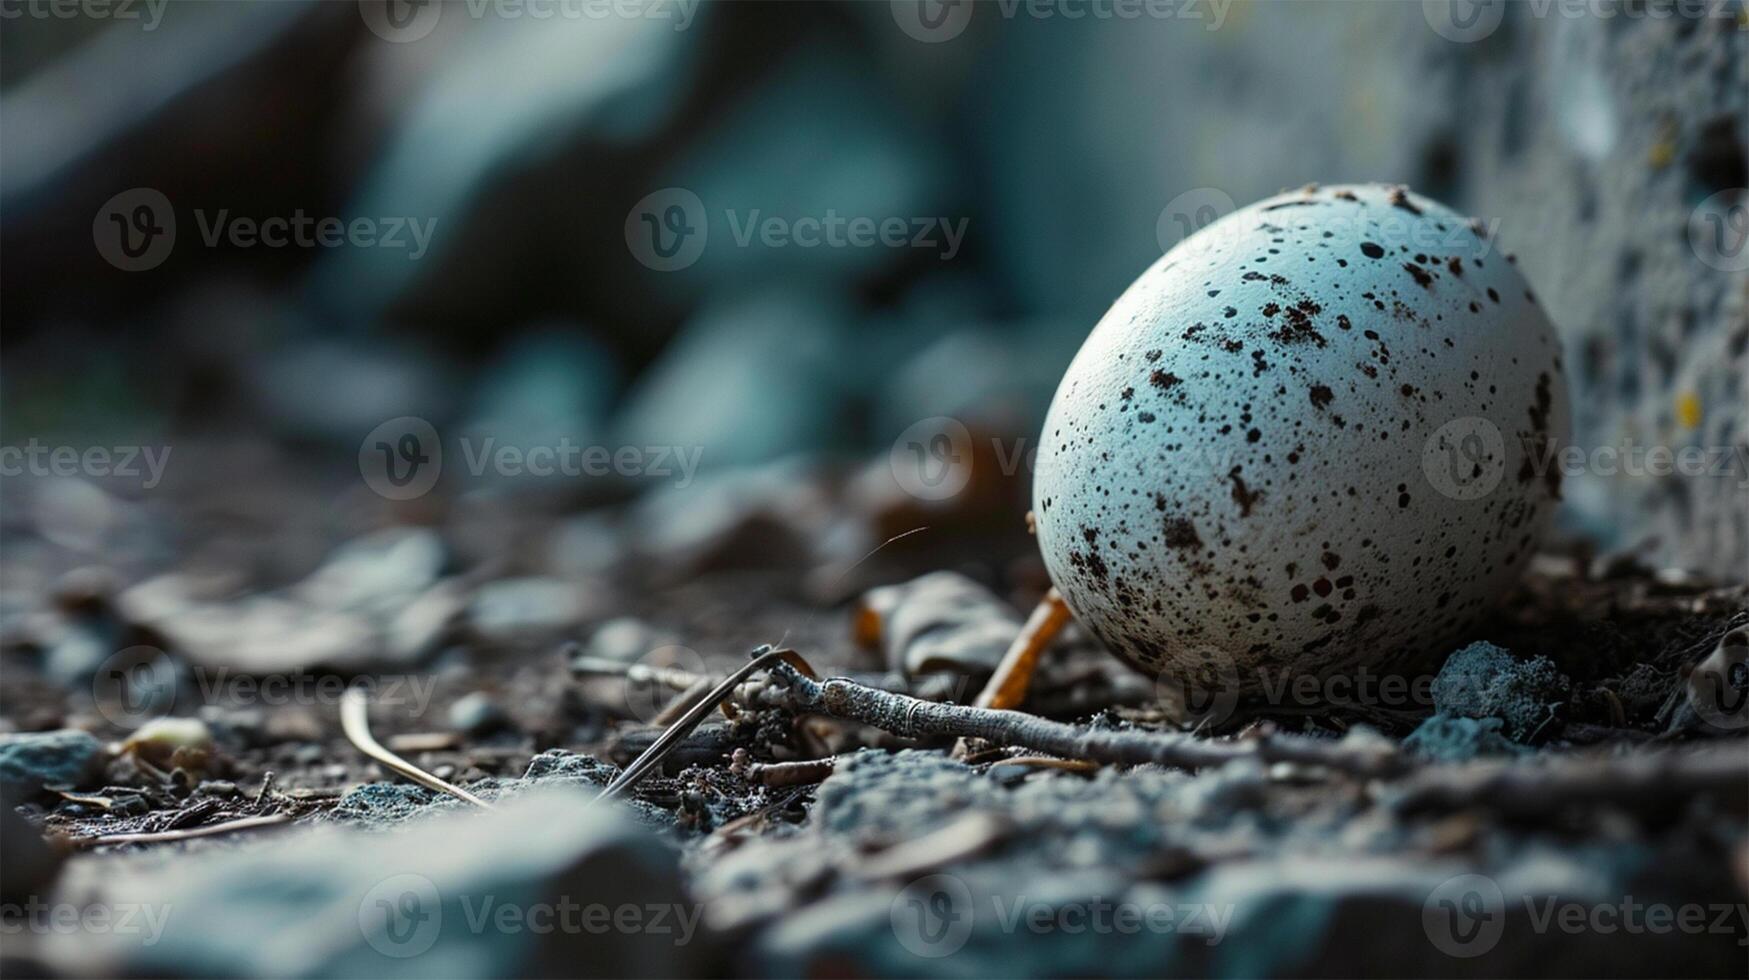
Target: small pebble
{"x":476,"y":714}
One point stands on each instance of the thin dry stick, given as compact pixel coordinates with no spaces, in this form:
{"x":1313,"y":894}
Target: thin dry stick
{"x":763,"y":657}
{"x":1007,"y":686}
{"x":355,"y":721}
{"x":682,"y":701}
{"x":910,"y":717}
{"x":156,"y":837}
{"x":1046,"y":762}
{"x":801,"y":773}
{"x":1646,"y":782}
{"x":672,"y":677}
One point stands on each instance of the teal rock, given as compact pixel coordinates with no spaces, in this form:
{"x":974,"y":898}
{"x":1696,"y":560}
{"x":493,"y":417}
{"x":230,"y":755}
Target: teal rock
{"x":1486,"y":681}
{"x":32,"y":761}
{"x":517,"y":891}
{"x":1445,"y":738}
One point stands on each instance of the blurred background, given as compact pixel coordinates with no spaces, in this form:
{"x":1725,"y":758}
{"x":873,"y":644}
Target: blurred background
{"x":484,"y":353}
{"x":789,"y":243}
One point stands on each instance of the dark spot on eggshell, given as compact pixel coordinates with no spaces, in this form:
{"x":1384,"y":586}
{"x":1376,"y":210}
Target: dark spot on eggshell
{"x":1371,"y":250}
{"x":1420,"y":275}
{"x":1164,"y":380}
{"x":1244,"y":496}
{"x":1181,"y":533}
{"x":1322,"y":396}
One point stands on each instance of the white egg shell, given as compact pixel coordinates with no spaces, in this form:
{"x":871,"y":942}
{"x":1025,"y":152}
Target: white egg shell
{"x":1312,"y":437}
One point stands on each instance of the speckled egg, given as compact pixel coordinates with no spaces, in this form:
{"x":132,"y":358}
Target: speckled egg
{"x":1315,"y":436}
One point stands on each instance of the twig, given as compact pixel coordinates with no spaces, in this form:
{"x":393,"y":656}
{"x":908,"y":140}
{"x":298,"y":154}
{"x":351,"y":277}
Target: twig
{"x":635,"y":673}
{"x":1644,"y":782}
{"x":763,"y":657}
{"x":1007,"y":686}
{"x":910,"y":717}
{"x":1046,"y":762}
{"x":682,"y":701}
{"x":803,"y":773}
{"x":161,"y":836}
{"x":355,"y":721}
